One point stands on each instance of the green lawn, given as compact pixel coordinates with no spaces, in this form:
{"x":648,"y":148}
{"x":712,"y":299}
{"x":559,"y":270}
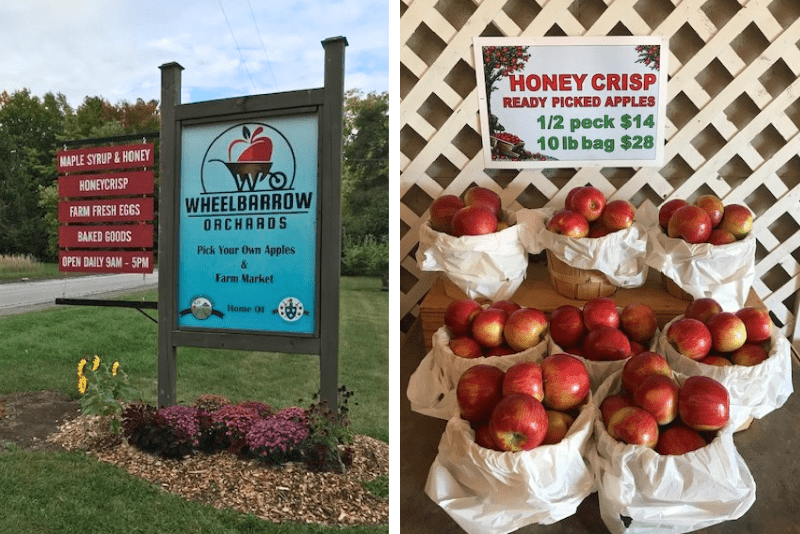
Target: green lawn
{"x":40,"y":350}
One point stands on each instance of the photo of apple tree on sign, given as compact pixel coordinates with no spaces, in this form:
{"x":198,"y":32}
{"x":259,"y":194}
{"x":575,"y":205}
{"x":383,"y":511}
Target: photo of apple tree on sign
{"x":569,"y":101}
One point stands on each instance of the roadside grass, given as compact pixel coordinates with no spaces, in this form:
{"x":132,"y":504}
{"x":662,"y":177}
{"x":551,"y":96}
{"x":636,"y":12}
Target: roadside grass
{"x":16,"y":267}
{"x":41,"y":350}
{"x":72,"y":492}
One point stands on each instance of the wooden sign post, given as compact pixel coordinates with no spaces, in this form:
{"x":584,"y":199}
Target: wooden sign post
{"x":250,"y":226}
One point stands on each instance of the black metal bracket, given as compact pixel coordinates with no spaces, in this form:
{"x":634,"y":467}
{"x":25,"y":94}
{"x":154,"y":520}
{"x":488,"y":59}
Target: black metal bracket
{"x":138,"y":305}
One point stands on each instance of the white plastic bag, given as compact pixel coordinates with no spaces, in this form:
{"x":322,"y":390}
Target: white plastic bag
{"x":619,"y":255}
{"x":431,"y":387}
{"x":722,"y":272}
{"x":643,"y":492}
{"x":755,"y":390}
{"x":490,"y":266}
{"x":490,"y":492}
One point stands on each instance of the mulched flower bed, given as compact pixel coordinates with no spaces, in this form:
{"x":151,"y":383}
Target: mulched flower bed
{"x":283,"y":493}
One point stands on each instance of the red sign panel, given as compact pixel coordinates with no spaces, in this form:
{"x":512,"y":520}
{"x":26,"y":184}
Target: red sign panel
{"x":105,"y":185}
{"x":122,"y":236}
{"x":102,"y":158}
{"x":107,"y":210}
{"x":113,"y":261}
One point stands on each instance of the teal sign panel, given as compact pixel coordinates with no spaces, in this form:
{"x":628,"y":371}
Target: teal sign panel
{"x":248,"y":225}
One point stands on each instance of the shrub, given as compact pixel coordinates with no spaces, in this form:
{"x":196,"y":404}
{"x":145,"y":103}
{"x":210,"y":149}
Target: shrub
{"x":184,"y":420}
{"x":211,"y":402}
{"x":329,"y":435}
{"x":151,"y":432}
{"x":317,"y":436}
{"x":366,"y":257}
{"x":237,"y":420}
{"x":275,"y":439}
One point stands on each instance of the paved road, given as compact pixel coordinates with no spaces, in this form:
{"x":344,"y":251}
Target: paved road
{"x":20,"y":297}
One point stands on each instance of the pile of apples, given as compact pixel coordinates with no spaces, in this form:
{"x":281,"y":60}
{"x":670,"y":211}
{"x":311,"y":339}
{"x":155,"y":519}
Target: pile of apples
{"x":707,"y":220}
{"x":653,"y":410}
{"x":504,"y":327}
{"x":712,"y":336}
{"x":528,"y":405}
{"x":587,"y":214}
{"x":479,"y":213}
{"x":600,"y":332}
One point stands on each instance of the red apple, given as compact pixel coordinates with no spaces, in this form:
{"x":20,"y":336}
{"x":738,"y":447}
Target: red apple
{"x":502,"y":350}
{"x":703,"y":403}
{"x":507,"y":306}
{"x":679,"y":439}
{"x":658,"y":394}
{"x":702,"y":309}
{"x":618,"y":215}
{"x":478,"y":390}
{"x":638,"y":321}
{"x":719,"y":236}
{"x":690,"y":337}
{"x":260,"y":149}
{"x":570,"y":196}
{"x":667,"y":209}
{"x":637,"y":348}
{"x":565,"y":380}
{"x":566,"y":326}
{"x":717,"y":360}
{"x":642,"y":365}
{"x":612,"y":403}
{"x":737,"y":220}
{"x":749,"y":354}
{"x":442,"y":211}
{"x":459,"y":314}
{"x":634,"y":426}
{"x":524,"y":377}
{"x":568,"y":223}
{"x":713,"y":206}
{"x":482,"y":196}
{"x":558,"y":424}
{"x":483,"y":437}
{"x":518,"y":423}
{"x":589,"y":202}
{"x":606,"y":344}
{"x":524,"y":328}
{"x":474,"y":220}
{"x":757,"y":323}
{"x":487,"y":327}
{"x":598,"y":229}
{"x":466,"y":347}
{"x":690,"y":223}
{"x":600,"y":311}
{"x":728,"y":332}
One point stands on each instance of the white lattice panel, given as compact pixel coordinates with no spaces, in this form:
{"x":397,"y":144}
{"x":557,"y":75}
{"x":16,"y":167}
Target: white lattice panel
{"x":733,"y":119}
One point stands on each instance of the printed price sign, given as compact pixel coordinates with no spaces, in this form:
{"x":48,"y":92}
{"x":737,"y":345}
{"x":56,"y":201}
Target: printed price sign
{"x":569,"y":102}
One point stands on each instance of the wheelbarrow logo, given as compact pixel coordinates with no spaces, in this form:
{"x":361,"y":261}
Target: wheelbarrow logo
{"x":246,"y":158}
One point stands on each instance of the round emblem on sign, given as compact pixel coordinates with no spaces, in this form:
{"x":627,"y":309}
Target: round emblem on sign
{"x":290,"y":309}
{"x":201,"y":308}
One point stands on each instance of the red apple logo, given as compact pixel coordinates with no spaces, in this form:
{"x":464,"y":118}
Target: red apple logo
{"x":259,"y":146}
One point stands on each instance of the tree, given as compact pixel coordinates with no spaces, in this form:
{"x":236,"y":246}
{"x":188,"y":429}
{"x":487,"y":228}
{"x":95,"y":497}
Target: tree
{"x":365,"y":185}
{"x":498,"y":62}
{"x":29,"y":127}
{"x":366,"y":165}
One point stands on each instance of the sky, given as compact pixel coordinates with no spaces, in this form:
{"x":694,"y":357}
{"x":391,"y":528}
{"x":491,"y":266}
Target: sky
{"x":113,"y":48}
